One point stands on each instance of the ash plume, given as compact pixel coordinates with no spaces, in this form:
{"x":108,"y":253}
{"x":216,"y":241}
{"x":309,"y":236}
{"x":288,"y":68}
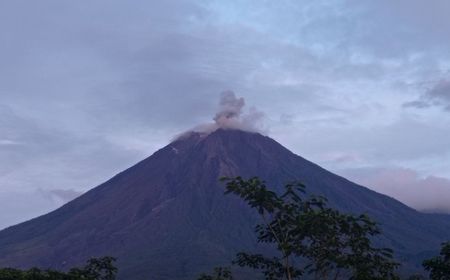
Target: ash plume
{"x":231,"y":115}
{"x":230,"y":109}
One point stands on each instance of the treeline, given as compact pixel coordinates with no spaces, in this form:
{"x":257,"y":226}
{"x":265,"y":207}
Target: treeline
{"x":95,"y":269}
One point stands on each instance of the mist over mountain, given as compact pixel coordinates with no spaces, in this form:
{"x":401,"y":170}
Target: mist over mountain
{"x":167,"y":218}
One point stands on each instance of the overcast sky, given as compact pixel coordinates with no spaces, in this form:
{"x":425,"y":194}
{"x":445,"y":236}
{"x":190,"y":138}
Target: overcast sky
{"x":88,"y":88}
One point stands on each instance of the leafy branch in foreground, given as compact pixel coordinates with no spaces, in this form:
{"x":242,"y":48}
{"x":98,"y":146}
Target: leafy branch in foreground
{"x":311,"y":238}
{"x":439,"y":267}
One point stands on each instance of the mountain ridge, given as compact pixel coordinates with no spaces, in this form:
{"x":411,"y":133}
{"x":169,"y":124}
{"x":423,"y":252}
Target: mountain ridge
{"x":169,"y":211}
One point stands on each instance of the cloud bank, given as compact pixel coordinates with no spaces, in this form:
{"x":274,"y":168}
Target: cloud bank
{"x":428,"y":194}
{"x":22,"y":206}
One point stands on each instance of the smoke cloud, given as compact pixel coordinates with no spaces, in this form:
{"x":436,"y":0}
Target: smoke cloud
{"x":231,"y":115}
{"x":230,"y":110}
{"x":61,"y":195}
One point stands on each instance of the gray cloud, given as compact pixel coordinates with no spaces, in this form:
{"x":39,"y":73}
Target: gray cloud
{"x":19,"y":205}
{"x":105,"y":84}
{"x":428,"y":193}
{"x":441,"y":91}
{"x":438,"y":95}
{"x":60,"y":196}
{"x":401,"y":141}
{"x":420,"y":104}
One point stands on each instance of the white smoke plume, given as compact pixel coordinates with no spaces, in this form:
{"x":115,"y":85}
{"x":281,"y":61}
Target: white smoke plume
{"x":231,"y":115}
{"x":230,"y":110}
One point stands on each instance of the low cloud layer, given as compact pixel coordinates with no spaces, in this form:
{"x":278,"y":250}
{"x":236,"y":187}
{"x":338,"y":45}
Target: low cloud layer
{"x":60,"y":196}
{"x":19,"y":206}
{"x":430,"y":193}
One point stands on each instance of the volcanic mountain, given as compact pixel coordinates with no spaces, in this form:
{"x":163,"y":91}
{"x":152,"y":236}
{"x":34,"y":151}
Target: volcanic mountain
{"x":167,"y":218}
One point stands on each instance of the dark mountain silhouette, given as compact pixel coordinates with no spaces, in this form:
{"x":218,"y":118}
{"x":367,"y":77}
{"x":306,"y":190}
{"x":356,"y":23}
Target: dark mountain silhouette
{"x":167,"y":218}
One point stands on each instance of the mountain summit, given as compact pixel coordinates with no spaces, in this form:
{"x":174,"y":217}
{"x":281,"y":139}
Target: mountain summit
{"x":167,"y":218}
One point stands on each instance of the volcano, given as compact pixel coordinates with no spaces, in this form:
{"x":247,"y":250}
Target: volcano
{"x":167,"y":217}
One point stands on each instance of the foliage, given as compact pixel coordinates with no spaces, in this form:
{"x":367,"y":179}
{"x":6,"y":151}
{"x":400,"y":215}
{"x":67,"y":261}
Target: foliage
{"x":220,"y":273}
{"x":311,"y":238}
{"x":95,"y":269}
{"x":416,"y":277}
{"x":439,"y":267}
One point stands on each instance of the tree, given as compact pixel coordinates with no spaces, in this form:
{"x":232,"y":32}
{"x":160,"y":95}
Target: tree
{"x":95,"y":269}
{"x":416,"y":277}
{"x":439,"y":267}
{"x":311,"y":238}
{"x":220,"y":273}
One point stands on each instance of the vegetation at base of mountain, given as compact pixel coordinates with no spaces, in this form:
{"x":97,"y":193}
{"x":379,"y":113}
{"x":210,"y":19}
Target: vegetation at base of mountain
{"x":417,"y":277}
{"x":439,"y":267}
{"x":311,"y":238}
{"x":220,"y":273}
{"x":95,"y":269}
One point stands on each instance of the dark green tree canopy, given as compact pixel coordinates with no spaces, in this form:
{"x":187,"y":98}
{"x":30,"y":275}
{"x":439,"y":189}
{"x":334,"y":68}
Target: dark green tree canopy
{"x":439,"y":267}
{"x":95,"y":269}
{"x":312,"y":239}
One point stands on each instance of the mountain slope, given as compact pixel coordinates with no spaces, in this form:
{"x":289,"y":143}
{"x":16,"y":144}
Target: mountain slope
{"x":167,"y":218}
